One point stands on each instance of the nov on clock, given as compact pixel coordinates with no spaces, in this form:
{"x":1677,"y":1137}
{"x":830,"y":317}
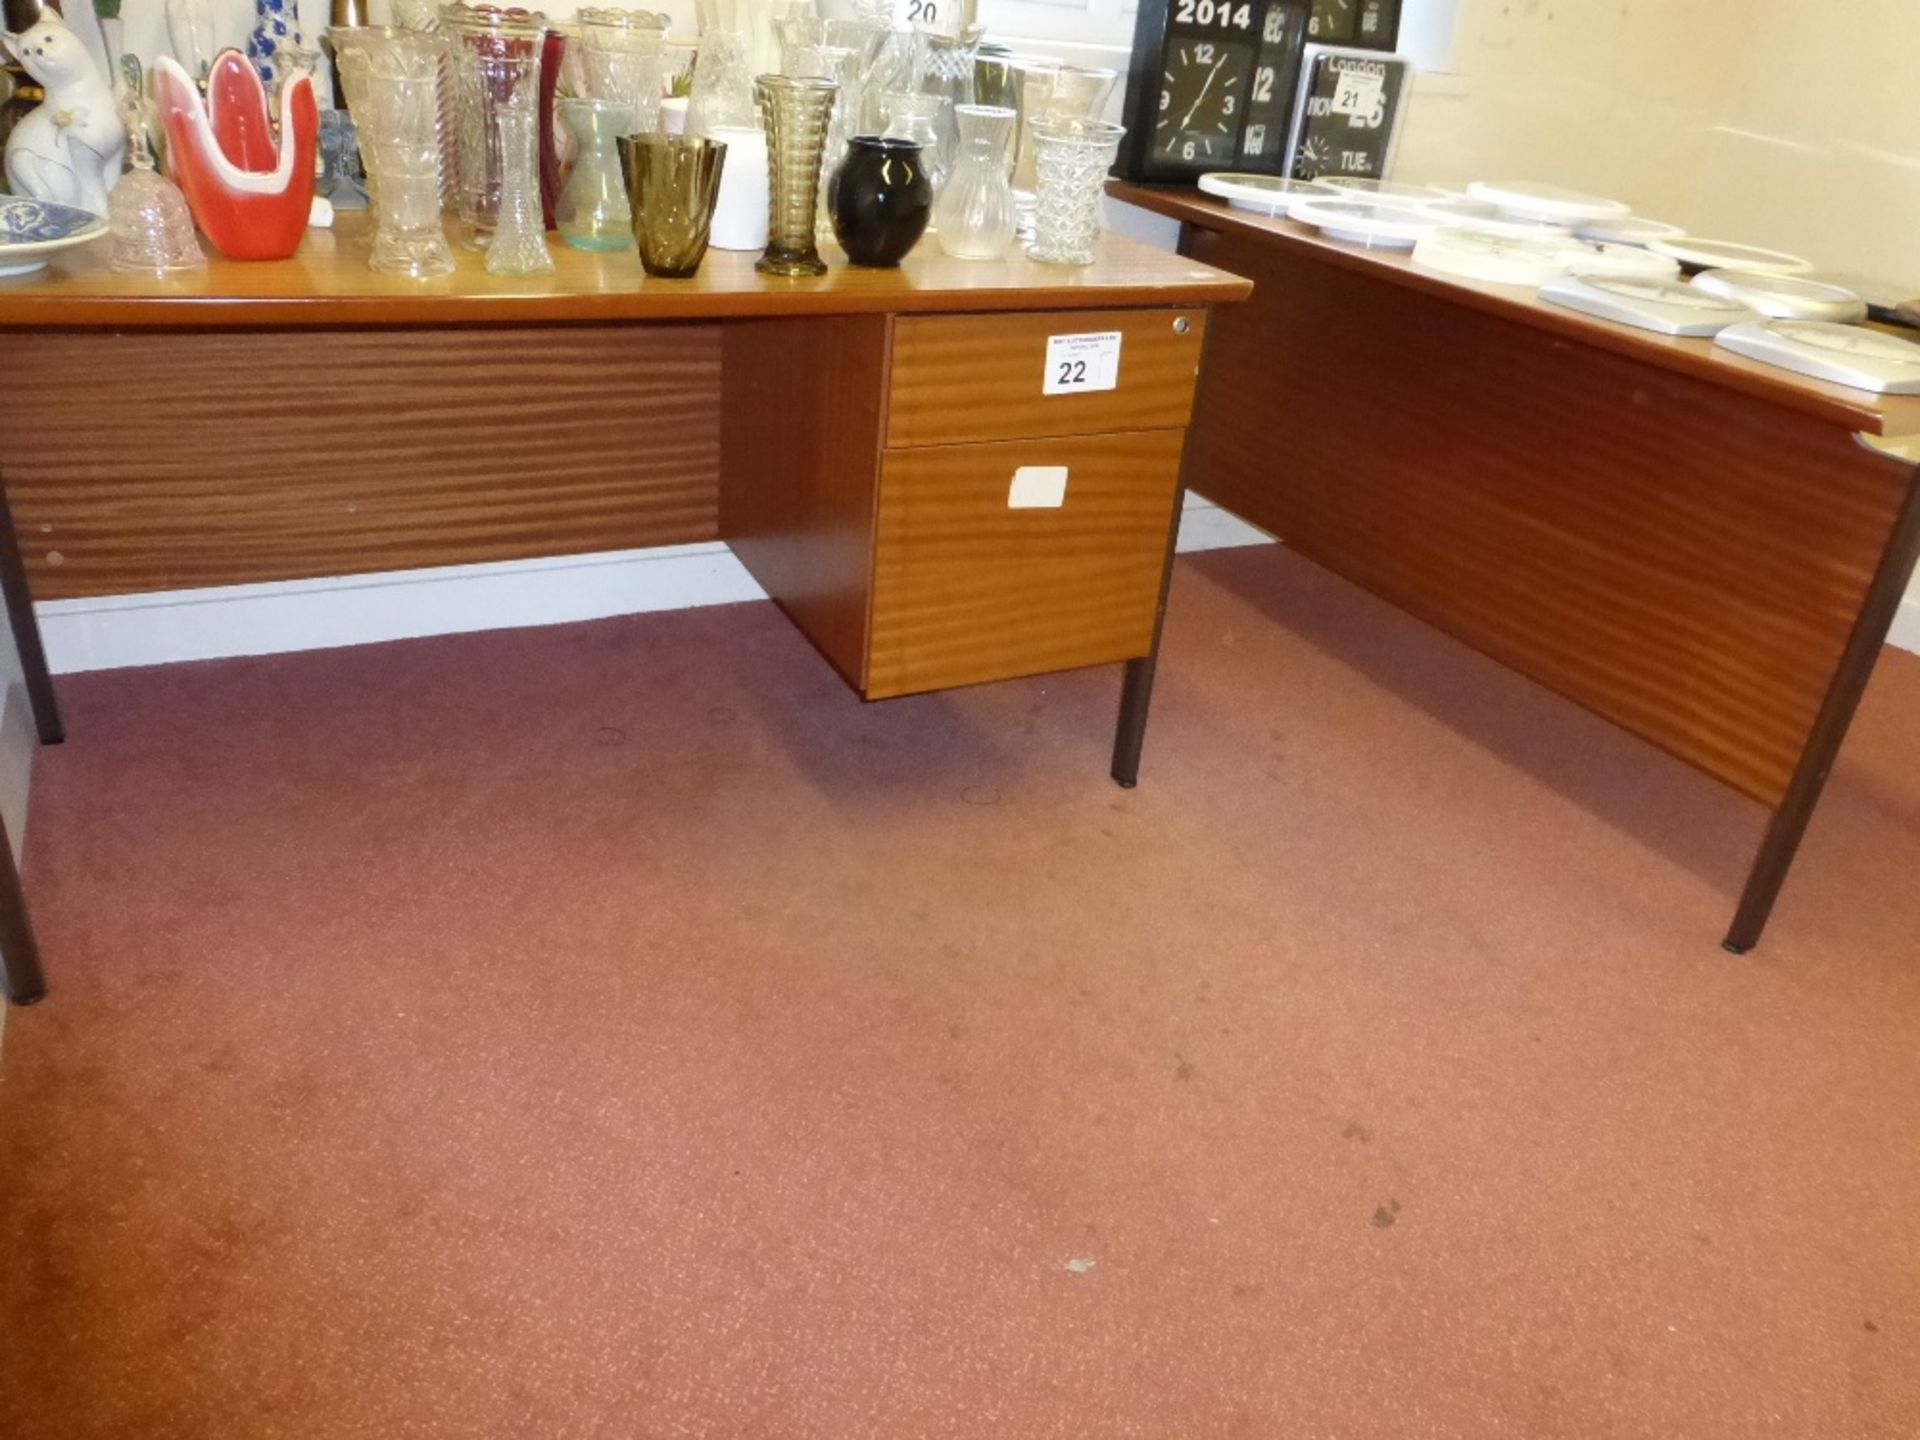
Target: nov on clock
{"x":1211,"y":87}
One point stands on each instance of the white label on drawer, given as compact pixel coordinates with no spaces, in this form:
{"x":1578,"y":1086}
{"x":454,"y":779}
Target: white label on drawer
{"x":1081,"y":362}
{"x":1038,"y":487}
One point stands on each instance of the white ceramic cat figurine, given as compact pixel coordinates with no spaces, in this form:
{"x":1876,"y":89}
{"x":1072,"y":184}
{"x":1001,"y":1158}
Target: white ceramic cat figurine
{"x":73,"y":147}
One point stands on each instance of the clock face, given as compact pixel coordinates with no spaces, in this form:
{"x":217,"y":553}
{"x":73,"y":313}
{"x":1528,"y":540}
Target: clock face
{"x":1349,"y":107}
{"x":1373,"y":23}
{"x":1333,"y":21}
{"x":1203,"y":101}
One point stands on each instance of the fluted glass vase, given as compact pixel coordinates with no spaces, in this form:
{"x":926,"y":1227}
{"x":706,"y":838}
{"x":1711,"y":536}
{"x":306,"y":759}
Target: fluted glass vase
{"x":494,"y":62}
{"x":795,"y":111}
{"x":625,"y":62}
{"x":1070,"y":161}
{"x":973,"y":218}
{"x":519,"y":243}
{"x":392,"y":84}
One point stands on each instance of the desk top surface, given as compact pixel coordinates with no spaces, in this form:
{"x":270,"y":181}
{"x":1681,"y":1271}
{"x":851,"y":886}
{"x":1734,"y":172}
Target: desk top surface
{"x":1858,"y":410}
{"x":327,"y":282}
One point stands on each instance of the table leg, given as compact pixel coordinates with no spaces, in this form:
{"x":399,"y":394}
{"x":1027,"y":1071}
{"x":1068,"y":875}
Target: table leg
{"x":1789,"y":822}
{"x":1136,"y":687}
{"x":19,"y":955}
{"x":26,"y":630}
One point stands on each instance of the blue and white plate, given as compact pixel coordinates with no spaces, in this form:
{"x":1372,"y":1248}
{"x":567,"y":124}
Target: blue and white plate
{"x":31,"y":230}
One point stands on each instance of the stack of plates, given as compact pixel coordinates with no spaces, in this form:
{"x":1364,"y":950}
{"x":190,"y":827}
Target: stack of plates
{"x":1263,"y":194}
{"x":1552,"y":204}
{"x":1374,"y":224}
{"x":1845,"y":354}
{"x":1725,"y":255}
{"x":1782,"y":297}
{"x":1662,"y":306}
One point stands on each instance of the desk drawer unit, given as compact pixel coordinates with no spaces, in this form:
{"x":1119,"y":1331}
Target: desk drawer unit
{"x":930,"y":516}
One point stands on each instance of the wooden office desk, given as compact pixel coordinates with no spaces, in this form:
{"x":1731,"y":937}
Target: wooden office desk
{"x":854,"y":437}
{"x":1701,"y":548}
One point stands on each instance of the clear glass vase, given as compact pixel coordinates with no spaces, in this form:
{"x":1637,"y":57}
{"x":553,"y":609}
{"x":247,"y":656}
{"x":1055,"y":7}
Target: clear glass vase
{"x":1070,"y":160}
{"x":947,"y":71}
{"x":973,"y":218}
{"x":916,"y":115}
{"x":795,"y":111}
{"x":722,"y":91}
{"x":519,"y":243}
{"x":494,"y":62}
{"x":392,"y":83}
{"x":624,"y":61}
{"x":1048,"y":90}
{"x":594,"y":214}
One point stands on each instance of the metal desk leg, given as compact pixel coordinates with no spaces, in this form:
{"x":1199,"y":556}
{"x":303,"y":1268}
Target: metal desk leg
{"x":18,"y":952}
{"x":1849,"y":683}
{"x":1136,"y":689}
{"x":26,"y":630}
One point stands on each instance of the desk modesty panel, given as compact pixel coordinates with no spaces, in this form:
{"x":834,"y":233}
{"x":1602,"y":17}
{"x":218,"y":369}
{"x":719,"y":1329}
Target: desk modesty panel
{"x":308,"y":417}
{"x":1699,"y":547}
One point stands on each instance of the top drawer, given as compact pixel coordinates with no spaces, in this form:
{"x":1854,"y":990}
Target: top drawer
{"x":958,"y":378}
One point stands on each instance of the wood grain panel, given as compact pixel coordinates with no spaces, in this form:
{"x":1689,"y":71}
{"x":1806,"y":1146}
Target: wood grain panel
{"x":1683,"y":558}
{"x":800,"y":469}
{"x":327,"y":282}
{"x":1857,"y":410}
{"x":978,"y":377}
{"x":159,"y":461}
{"x":967,"y":590}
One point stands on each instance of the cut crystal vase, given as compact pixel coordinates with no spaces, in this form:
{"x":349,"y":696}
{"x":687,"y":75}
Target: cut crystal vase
{"x":392,"y":84}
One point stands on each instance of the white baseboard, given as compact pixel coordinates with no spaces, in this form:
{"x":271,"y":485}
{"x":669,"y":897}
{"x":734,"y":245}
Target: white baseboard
{"x":155,"y":629}
{"x":1906,"y":623}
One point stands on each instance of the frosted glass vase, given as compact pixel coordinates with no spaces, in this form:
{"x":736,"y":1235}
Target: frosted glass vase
{"x":973,"y":218}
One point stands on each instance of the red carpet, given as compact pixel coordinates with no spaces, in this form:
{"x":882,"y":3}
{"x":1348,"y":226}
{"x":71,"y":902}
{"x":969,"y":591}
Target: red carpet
{"x":619,"y":1030}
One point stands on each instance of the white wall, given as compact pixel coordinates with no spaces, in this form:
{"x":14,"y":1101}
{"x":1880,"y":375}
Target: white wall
{"x":1775,"y":122}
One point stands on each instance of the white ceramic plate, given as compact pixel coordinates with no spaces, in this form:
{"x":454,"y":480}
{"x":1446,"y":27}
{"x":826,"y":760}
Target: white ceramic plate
{"x":1586,"y":258}
{"x":1845,"y":354}
{"x":1530,"y":200}
{"x":1381,"y":189}
{"x":1470,"y":255}
{"x":1265,"y":194}
{"x":1633,"y":230}
{"x":1484,"y":220}
{"x":1782,"y":297}
{"x":1371,"y":223}
{"x":1725,"y":255}
{"x":1657,"y":305}
{"x":32,"y":231}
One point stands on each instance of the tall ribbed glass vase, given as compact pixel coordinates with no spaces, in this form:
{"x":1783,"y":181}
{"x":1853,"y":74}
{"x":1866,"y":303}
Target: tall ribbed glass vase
{"x":795,"y":111}
{"x":392,"y":84}
{"x":495,"y":61}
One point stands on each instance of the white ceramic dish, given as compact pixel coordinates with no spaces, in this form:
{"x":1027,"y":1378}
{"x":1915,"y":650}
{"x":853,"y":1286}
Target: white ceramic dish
{"x":1725,"y":255}
{"x":1848,"y":355}
{"x":1661,"y":306}
{"x":1531,"y":200}
{"x":1784,"y":297}
{"x":33,"y":231}
{"x":1484,"y":220}
{"x":1373,"y":224}
{"x":1262,"y":194}
{"x":1633,"y":230}
{"x":1371,"y":189}
{"x":1469,"y":255}
{"x":1634,"y":261}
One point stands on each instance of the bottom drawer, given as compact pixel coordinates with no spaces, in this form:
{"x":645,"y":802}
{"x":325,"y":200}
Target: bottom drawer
{"x":973,"y":581}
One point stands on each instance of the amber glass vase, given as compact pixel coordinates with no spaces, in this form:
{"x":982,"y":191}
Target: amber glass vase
{"x":796,"y":111}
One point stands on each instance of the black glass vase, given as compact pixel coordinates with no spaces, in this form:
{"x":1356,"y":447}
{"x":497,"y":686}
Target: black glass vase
{"x":879,"y":200}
